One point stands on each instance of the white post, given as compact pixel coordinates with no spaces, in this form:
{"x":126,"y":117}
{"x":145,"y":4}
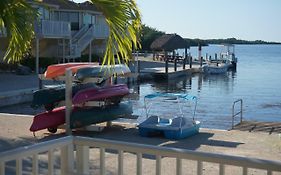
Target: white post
{"x":51,"y":159}
{"x":19,"y":166}
{"x":179,"y":166}
{"x":199,"y":168}
{"x":68,"y":99}
{"x":35,"y":164}
{"x":63,"y":50}
{"x":139,"y":163}
{"x":67,"y":159}
{"x":37,"y":56}
{"x":222,"y":169}
{"x":120,"y":162}
{"x":158,"y":165}
{"x":90,"y":52}
{"x":2,"y":167}
{"x":82,"y":156}
{"x":102,"y":161}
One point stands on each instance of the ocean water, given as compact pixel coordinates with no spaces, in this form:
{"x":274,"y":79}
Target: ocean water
{"x":257,"y":81}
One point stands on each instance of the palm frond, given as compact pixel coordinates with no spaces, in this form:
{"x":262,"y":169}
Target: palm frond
{"x":124,"y":21}
{"x":17,"y":16}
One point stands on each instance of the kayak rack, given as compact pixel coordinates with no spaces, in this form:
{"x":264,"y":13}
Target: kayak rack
{"x":239,"y":112}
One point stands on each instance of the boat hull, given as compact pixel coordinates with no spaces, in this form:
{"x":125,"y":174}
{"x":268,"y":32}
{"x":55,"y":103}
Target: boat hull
{"x":51,"y":96}
{"x":80,"y":116}
{"x":56,"y":70}
{"x":156,"y":127}
{"x":212,"y":69}
{"x":116,"y":92}
{"x":101,"y":71}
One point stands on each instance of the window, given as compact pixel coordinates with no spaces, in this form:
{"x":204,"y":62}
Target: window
{"x":74,"y":19}
{"x":56,"y":16}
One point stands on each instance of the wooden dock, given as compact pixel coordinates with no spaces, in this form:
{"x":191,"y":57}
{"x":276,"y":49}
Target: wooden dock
{"x":251,"y":126}
{"x":159,"y":69}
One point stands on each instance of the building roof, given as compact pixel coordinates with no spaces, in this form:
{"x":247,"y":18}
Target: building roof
{"x":88,"y":6}
{"x":63,"y":4}
{"x":169,"y":42}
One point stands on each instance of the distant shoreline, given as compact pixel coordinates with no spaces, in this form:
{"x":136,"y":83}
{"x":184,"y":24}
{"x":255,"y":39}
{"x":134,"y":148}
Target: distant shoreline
{"x":196,"y":42}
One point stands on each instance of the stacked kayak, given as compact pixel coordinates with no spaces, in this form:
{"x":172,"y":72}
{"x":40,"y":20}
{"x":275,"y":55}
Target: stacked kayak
{"x":79,"y":117}
{"x":84,"y":113}
{"x":50,"y":97}
{"x":54,"y":71}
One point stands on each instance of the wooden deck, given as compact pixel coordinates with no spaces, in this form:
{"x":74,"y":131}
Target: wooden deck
{"x":160,"y":71}
{"x":251,"y":126}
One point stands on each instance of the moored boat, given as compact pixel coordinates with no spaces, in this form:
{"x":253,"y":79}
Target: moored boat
{"x":173,"y":127}
{"x":216,"y":68}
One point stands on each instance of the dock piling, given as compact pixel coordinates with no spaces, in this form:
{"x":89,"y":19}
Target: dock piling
{"x":175,"y":65}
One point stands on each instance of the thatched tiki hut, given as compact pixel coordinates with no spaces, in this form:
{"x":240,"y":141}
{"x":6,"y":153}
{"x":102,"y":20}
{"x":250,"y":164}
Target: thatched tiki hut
{"x":168,"y":43}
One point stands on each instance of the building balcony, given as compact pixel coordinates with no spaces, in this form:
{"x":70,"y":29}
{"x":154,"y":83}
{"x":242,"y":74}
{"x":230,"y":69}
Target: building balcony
{"x":53,"y":29}
{"x":101,"y":31}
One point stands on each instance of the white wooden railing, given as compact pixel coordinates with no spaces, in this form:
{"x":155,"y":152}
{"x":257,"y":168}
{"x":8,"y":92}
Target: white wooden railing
{"x":55,"y":28}
{"x":83,"y":145}
{"x":101,"y":31}
{"x":64,"y":147}
{"x":85,"y":39}
{"x":80,"y":33}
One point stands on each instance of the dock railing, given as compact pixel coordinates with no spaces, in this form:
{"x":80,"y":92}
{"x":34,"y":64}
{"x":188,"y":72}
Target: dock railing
{"x":237,"y":113}
{"x":82,"y":146}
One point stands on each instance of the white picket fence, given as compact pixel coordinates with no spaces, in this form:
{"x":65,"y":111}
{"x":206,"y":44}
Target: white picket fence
{"x":67,"y":146}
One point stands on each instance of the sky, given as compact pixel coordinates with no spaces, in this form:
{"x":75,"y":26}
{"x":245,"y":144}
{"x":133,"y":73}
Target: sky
{"x":215,"y":19}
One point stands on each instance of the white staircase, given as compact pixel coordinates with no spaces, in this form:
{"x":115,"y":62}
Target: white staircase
{"x":79,"y":42}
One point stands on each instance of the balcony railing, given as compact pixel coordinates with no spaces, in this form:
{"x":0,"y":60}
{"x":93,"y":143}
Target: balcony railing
{"x":56,"y":29}
{"x":101,"y":31}
{"x":48,"y":154}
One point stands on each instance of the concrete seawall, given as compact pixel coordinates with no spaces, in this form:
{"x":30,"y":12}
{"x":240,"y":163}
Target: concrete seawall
{"x":16,"y":97}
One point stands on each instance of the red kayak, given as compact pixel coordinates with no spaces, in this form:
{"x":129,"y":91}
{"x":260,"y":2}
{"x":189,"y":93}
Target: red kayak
{"x":50,"y":119}
{"x":100,"y":94}
{"x":79,"y":117}
{"x":56,"y":70}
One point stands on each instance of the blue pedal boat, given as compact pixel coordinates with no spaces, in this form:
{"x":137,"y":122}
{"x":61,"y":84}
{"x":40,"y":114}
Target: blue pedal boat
{"x":173,"y":127}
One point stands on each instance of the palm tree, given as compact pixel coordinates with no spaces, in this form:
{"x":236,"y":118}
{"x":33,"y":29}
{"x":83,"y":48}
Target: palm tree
{"x":122,"y":16}
{"x":17,"y":16}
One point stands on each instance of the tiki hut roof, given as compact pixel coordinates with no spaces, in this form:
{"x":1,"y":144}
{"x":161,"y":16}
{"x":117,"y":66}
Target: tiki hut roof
{"x":169,"y":42}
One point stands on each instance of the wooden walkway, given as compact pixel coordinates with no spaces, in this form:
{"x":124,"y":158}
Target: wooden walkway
{"x":250,"y":126}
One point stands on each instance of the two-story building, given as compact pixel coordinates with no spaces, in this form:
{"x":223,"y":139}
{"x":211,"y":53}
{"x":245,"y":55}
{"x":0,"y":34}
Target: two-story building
{"x":66,"y":30}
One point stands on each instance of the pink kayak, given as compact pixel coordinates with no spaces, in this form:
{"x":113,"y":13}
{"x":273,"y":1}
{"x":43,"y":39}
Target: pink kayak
{"x":99,"y":94}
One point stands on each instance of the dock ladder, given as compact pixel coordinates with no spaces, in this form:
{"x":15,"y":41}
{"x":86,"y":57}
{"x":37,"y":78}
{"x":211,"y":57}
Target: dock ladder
{"x":239,"y":112}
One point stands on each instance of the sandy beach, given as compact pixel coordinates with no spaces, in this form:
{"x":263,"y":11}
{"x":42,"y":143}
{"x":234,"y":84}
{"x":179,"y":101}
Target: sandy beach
{"x":15,"y":133}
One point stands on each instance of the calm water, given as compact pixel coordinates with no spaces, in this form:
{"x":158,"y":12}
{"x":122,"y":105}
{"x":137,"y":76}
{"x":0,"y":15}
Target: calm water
{"x":257,"y":81}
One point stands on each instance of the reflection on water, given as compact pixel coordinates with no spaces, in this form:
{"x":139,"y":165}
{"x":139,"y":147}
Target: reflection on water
{"x":256,"y":81}
{"x":208,"y":111}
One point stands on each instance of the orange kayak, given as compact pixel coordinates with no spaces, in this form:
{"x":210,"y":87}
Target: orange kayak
{"x":56,"y":70}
